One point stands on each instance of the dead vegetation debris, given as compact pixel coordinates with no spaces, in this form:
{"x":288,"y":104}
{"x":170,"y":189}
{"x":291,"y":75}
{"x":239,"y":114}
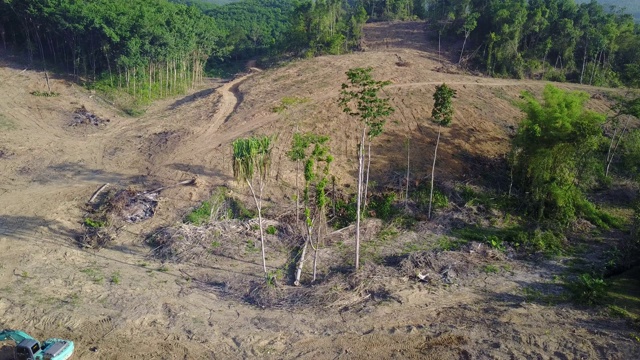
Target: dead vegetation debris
{"x":108,"y":209}
{"x":82,"y":116}
{"x":447,"y":267}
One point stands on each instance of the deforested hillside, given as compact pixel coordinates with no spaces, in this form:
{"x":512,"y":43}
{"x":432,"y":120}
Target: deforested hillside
{"x":136,"y":238}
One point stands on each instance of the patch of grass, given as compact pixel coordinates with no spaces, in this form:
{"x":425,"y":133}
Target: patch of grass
{"x":163,"y":268}
{"x":589,"y":290}
{"x":94,"y":274}
{"x":199,"y":215}
{"x":115,"y":278}
{"x":446,"y":243}
{"x":216,"y":244}
{"x":92,"y":223}
{"x":382,"y":207}
{"x":624,"y":294}
{"x":271,"y":230}
{"x":134,"y":111}
{"x":73,"y":299}
{"x":490,"y":269}
{"x":251,"y":247}
{"x":288,"y":102}
{"x":538,"y":241}
{"x":371,"y":250}
{"x":6,"y":124}
{"x":421,"y":197}
{"x":45,"y":93}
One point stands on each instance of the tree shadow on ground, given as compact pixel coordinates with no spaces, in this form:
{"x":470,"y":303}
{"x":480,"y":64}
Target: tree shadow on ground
{"x":36,"y":229}
{"x":77,"y":172}
{"x":200,"y":170}
{"x":191,"y":98}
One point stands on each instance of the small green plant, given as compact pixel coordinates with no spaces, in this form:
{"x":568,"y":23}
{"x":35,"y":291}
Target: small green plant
{"x":163,"y":268}
{"x":271,"y":230}
{"x":273,"y":276}
{"x":381,"y":206}
{"x":495,"y":242}
{"x":115,"y":278}
{"x":92,"y":223}
{"x":199,"y":215}
{"x":587,"y":289}
{"x":45,"y":93}
{"x":215,"y":244}
{"x":440,"y":200}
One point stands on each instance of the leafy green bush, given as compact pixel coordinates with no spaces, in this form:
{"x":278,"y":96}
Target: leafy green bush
{"x":546,"y":242}
{"x":421,"y":197}
{"x":346,"y":213}
{"x":92,"y":223}
{"x":554,"y":75}
{"x":237,"y":210}
{"x":382,"y":206}
{"x":587,"y":289}
{"x":199,"y":215}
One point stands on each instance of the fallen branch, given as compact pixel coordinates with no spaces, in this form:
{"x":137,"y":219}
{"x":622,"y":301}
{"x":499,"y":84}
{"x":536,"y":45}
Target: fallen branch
{"x":186,"y":182}
{"x":95,"y":194}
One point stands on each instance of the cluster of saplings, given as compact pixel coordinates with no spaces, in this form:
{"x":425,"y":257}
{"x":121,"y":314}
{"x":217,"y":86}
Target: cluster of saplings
{"x":554,"y":39}
{"x":560,"y":152}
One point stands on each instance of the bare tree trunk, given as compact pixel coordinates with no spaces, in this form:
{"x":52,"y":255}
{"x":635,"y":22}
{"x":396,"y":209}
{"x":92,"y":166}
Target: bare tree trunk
{"x":433,"y":170}
{"x":258,"y":201}
{"x":612,"y":152}
{"x":406,"y":190}
{"x":584,"y":63}
{"x":301,"y":263}
{"x":359,"y":199}
{"x":462,"y":51}
{"x":366,"y":183}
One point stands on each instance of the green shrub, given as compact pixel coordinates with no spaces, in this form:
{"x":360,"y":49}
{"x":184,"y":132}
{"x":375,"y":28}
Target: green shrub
{"x":346,"y":213}
{"x":546,"y":242}
{"x":199,"y":215}
{"x":382,"y":206}
{"x":554,"y":75}
{"x":588,"y":290}
{"x":271,"y":230}
{"x":91,"y":223}
{"x":440,"y":200}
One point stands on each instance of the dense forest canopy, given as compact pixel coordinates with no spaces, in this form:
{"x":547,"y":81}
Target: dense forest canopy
{"x":630,"y":6}
{"x":555,"y":39}
{"x":154,"y":48}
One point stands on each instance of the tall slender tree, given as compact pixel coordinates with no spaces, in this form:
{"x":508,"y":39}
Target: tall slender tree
{"x":442,"y":114}
{"x":360,"y":99}
{"x":251,"y":164}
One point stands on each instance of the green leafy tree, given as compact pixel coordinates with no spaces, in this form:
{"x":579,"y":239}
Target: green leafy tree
{"x":553,"y":145}
{"x":442,"y":114}
{"x":360,"y":99}
{"x":251,"y":164}
{"x":316,"y":173}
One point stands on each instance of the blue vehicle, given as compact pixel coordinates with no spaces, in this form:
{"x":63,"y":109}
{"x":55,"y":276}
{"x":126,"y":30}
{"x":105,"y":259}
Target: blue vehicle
{"x":28,"y":348}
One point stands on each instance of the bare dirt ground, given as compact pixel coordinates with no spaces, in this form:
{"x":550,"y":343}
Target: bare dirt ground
{"x":119,"y":303}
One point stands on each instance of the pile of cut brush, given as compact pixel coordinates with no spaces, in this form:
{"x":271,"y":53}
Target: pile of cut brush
{"x":82,"y":116}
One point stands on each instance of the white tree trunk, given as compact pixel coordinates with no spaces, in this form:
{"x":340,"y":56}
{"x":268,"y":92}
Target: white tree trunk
{"x":433,"y":170}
